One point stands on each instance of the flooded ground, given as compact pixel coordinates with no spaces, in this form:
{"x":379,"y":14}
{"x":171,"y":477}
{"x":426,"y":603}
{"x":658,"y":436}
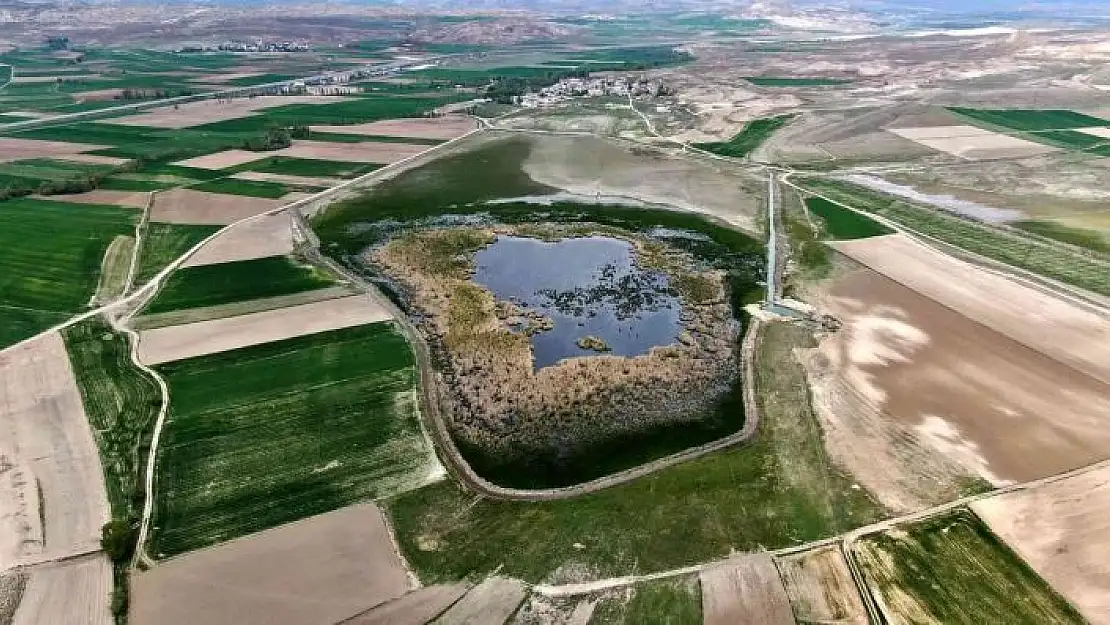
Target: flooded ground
{"x":589,"y":287}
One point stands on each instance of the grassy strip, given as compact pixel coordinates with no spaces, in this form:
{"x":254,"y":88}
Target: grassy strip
{"x":270,"y":434}
{"x":212,"y":285}
{"x":164,"y":243}
{"x":51,"y":252}
{"x":754,"y":134}
{"x":1030,"y":119}
{"x":782,"y":489}
{"x":1081,"y":237}
{"x":1005,"y":246}
{"x":667,"y":602}
{"x":843,"y":224}
{"x":249,"y":188}
{"x":951,"y":569}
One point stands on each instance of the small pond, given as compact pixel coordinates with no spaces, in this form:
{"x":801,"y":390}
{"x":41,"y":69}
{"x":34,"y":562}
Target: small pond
{"x":588,"y":286}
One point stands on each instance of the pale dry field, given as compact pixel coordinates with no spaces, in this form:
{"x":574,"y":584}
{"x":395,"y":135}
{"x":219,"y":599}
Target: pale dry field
{"x":746,"y":590}
{"x":446,"y":127}
{"x":234,"y":309}
{"x":64,"y":593}
{"x":1062,"y":530}
{"x":821,"y":589}
{"x":130,"y":199}
{"x":171,"y":343}
{"x":52,"y":497}
{"x":209,"y":111}
{"x":490,"y":603}
{"x":311,"y":181}
{"x":366,"y":152}
{"x":269,"y":235}
{"x":1102,"y":132}
{"x":221,"y":160}
{"x":589,"y":167}
{"x":915,"y":398}
{"x":13,"y":149}
{"x":95,"y":159}
{"x":318,"y":571}
{"x":1073,"y":335}
{"x":114,"y":269}
{"x":971,"y":143}
{"x":416,"y":608}
{"x":186,"y":206}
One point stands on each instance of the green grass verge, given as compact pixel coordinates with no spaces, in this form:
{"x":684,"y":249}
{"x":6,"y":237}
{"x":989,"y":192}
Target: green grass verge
{"x":164,"y":243}
{"x":777,"y":81}
{"x":843,"y":224}
{"x":121,"y":403}
{"x":779,"y":490}
{"x":51,"y":252}
{"x":270,"y":434}
{"x":211,"y":285}
{"x":1031,"y":119}
{"x":250,"y":188}
{"x":667,"y":602}
{"x":754,"y":134}
{"x":951,"y":569}
{"x":1006,"y":246}
{"x":1090,"y":239}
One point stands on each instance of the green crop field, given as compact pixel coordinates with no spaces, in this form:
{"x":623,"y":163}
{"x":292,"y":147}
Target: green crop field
{"x":121,"y":402}
{"x":164,"y":243}
{"x":781,"y":489}
{"x":356,"y":110}
{"x":42,"y":174}
{"x":1030,"y":119}
{"x":778,"y":81}
{"x":1068,"y":139}
{"x":270,"y":434}
{"x":311,"y":167}
{"x":950,"y":569}
{"x":5,"y":75}
{"x":337,"y":137}
{"x":667,"y":602}
{"x":843,"y":224}
{"x":211,"y":285}
{"x":1003,"y":245}
{"x":250,"y":188}
{"x":50,"y":256}
{"x":1090,"y":239}
{"x":122,"y":183}
{"x":754,"y":134}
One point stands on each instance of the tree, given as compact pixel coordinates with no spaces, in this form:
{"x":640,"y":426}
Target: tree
{"x":118,"y":539}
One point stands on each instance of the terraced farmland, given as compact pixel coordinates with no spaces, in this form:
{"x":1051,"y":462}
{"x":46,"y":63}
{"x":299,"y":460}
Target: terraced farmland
{"x":1007,"y":246}
{"x":50,"y":258}
{"x":270,"y":434}
{"x":950,"y":569}
{"x":224,"y":283}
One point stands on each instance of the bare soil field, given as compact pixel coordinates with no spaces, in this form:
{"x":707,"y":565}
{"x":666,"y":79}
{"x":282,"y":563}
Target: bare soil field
{"x":1103,"y":132}
{"x":221,"y":160}
{"x":745,"y":591}
{"x":186,"y":206}
{"x":52,"y":497}
{"x":314,"y":572}
{"x":288,"y":179}
{"x":821,"y":589}
{"x":916,"y":399}
{"x":171,"y":343}
{"x":367,"y":152}
{"x":209,"y":111}
{"x":130,"y":199}
{"x":972,"y":143}
{"x":446,"y":127}
{"x":234,"y":309}
{"x":270,"y":235}
{"x":590,"y":167}
{"x":1075,"y":336}
{"x":94,"y":159}
{"x":64,"y":593}
{"x":416,"y":608}
{"x":490,"y":603}
{"x":1062,"y":530}
{"x":13,"y":149}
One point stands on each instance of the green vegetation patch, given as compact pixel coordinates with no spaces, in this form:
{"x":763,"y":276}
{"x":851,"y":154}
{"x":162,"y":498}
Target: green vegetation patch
{"x":50,"y":176}
{"x":250,"y":188}
{"x":779,"y":81}
{"x":165,"y":243}
{"x":353,"y":111}
{"x":844,"y":224}
{"x":1031,"y":119}
{"x":667,"y":602}
{"x":781,"y":489}
{"x":1081,"y":237}
{"x":754,"y":134}
{"x":211,"y":285}
{"x":312,"y":167}
{"x":274,"y":433}
{"x":1068,"y":139}
{"x":952,"y":569}
{"x":1004,"y":245}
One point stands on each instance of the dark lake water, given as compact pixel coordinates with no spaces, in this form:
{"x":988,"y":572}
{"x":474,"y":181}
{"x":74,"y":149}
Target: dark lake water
{"x":588,"y":286}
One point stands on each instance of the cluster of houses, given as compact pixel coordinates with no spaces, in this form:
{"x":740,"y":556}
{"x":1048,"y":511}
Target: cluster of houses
{"x":593,"y":87}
